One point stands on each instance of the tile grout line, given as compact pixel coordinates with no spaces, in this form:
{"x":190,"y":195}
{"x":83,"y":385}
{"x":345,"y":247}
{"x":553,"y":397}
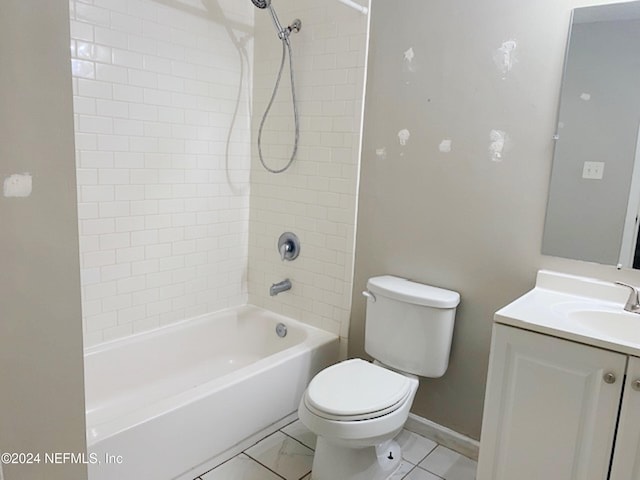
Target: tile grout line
{"x":264,"y":466}
{"x":300,"y":442}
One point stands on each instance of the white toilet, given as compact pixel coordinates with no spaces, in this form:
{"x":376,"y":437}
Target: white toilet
{"x":356,"y":408}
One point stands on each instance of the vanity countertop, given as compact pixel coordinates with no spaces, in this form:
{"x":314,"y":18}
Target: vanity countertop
{"x":576,"y":308}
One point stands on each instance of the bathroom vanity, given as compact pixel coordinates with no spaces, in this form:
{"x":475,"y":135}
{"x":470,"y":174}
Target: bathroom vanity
{"x":563,"y":392}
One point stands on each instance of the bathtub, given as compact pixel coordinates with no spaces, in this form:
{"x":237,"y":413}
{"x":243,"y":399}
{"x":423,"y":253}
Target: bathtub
{"x":164,"y":404}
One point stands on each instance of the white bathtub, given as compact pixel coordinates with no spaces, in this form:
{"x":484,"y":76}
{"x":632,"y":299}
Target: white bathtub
{"x":162,"y":403}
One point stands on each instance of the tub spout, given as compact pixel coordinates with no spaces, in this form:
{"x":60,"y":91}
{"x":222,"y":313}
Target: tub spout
{"x":280,"y":287}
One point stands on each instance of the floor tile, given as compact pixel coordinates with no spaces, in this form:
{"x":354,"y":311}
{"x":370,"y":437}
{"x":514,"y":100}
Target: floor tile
{"x":308,"y":477}
{"x":240,"y":468}
{"x":301,"y":433}
{"x":420,"y":474}
{"x":449,"y":465}
{"x":414,"y":447}
{"x":284,"y":455}
{"x":405,"y":467}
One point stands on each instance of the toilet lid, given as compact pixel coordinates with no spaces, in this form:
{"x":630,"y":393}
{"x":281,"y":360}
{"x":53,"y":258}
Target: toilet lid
{"x":356,"y":389}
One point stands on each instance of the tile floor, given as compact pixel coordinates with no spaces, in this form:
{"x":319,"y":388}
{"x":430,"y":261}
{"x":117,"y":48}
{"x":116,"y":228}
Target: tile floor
{"x":288,"y":454}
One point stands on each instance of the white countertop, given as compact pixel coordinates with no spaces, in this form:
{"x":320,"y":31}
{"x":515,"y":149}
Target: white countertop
{"x":544,"y":310}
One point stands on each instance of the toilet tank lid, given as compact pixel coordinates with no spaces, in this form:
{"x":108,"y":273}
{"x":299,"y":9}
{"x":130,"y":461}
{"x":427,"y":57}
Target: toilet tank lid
{"x":405,"y":290}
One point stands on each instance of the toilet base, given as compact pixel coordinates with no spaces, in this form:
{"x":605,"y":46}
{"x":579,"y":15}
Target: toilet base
{"x":332,"y":461}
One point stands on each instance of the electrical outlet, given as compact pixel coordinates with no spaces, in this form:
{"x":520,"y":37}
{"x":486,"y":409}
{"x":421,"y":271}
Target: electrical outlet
{"x":593,"y":170}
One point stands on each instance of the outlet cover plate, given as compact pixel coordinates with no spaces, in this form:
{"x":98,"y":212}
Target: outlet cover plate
{"x":593,"y":170}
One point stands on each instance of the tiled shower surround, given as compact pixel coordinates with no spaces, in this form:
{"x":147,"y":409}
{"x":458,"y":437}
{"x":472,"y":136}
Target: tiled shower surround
{"x":165,"y":171}
{"x":164,"y":214}
{"x":316,"y":197}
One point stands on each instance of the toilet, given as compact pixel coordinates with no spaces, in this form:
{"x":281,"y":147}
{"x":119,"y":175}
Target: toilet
{"x":355,"y":407}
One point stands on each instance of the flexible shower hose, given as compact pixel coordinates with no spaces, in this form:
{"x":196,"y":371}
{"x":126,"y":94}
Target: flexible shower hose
{"x":286,"y":46}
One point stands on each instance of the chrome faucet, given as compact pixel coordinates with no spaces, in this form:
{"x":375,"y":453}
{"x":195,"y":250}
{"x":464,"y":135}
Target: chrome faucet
{"x":633,"y":302}
{"x":280,"y":287}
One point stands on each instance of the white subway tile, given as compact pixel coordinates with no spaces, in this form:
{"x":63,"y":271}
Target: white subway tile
{"x":146,"y":296}
{"x":101,"y":321}
{"x":129,"y":192}
{"x":110,"y":38}
{"x":114,"y":241}
{"x":143,"y":78}
{"x":133,"y":254}
{"x":125,"y":23}
{"x":87,"y":210}
{"x":127,"y":58}
{"x":131,"y":284}
{"x":113,"y":143}
{"x":94,"y":88}
{"x":114,"y":333}
{"x":129,"y":224}
{"x":158,"y":251}
{"x":111,"y":73}
{"x":128,"y":93}
{"x":118,"y":302}
{"x":114,"y":209}
{"x":83,"y":69}
{"x":144,"y":266}
{"x":81,"y":31}
{"x":128,"y":159}
{"x":98,"y":291}
{"x":89,"y":276}
{"x":130,"y":315}
{"x":122,"y":126}
{"x":144,"y":207}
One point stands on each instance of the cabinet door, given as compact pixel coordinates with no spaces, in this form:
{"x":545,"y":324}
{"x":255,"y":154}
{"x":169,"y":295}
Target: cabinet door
{"x":548,"y":413}
{"x":626,"y":456}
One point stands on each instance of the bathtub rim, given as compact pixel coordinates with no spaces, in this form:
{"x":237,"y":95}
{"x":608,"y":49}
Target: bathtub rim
{"x":157,"y":331}
{"x":315,"y":338}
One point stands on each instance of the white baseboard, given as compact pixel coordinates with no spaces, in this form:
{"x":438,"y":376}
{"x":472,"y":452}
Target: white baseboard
{"x":444,"y":436}
{"x":236,"y":449}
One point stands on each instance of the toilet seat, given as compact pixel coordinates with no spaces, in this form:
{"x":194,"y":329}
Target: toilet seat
{"x":356,"y":390}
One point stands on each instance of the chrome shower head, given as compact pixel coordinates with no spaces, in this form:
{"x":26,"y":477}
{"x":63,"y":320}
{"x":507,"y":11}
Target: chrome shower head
{"x":261,"y":3}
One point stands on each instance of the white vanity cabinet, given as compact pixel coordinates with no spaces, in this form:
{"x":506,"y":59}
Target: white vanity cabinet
{"x":551,"y":410}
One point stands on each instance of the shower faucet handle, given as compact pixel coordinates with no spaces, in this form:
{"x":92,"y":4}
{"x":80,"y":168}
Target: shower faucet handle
{"x":288,"y":246}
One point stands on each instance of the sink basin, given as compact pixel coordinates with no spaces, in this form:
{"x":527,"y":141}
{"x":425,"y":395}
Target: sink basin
{"x":622,"y":326}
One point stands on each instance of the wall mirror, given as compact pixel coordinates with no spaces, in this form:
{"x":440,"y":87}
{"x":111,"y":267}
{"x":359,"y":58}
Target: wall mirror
{"x":594,"y":195}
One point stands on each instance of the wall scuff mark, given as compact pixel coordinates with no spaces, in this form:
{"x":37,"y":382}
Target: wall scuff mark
{"x":18,"y":185}
{"x":409,"y":55}
{"x":498,"y":141}
{"x":586,"y":97}
{"x":504,"y":57}
{"x":403,"y":136}
{"x":381,"y":153}
{"x":445,"y":145}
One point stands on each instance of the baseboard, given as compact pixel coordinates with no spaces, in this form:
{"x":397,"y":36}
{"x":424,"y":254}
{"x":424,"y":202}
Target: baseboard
{"x":237,"y":449}
{"x":444,"y":436}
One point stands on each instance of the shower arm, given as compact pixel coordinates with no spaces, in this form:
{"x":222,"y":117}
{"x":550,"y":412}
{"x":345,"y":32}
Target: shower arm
{"x":355,"y":6}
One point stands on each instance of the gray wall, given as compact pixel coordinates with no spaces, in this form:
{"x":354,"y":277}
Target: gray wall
{"x":41,"y":373}
{"x":460,"y":220}
{"x":599,"y":128}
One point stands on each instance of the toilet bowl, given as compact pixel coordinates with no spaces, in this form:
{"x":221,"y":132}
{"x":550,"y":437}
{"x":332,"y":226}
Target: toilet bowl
{"x":355,"y":407}
{"x":356,"y":428}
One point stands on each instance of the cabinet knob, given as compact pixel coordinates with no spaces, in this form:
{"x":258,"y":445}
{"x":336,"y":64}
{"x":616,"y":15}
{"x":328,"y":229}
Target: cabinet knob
{"x":609,"y":377}
{"x":636,"y":384}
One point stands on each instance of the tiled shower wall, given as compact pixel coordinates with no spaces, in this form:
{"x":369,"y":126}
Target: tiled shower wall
{"x":316,"y":197}
{"x":163,"y":186}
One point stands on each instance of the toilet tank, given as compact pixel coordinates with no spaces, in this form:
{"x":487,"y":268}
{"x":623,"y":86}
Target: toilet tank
{"x":409,"y":325}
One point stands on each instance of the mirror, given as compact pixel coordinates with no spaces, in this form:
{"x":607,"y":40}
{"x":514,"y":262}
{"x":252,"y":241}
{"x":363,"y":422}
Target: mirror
{"x":594,"y":195}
